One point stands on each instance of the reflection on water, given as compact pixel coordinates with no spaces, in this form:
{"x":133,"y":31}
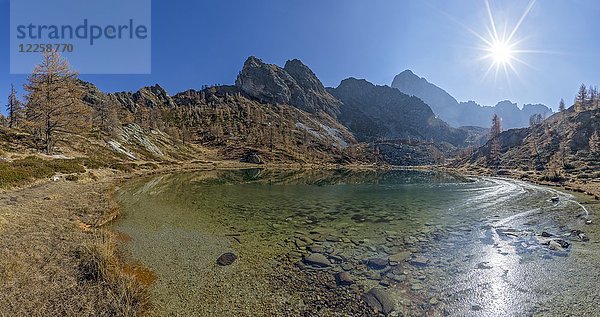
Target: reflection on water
{"x":464,"y":246}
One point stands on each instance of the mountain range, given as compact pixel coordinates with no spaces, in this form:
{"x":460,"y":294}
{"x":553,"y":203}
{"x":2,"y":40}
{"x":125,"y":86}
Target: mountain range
{"x":468,"y":113}
{"x":283,"y":114}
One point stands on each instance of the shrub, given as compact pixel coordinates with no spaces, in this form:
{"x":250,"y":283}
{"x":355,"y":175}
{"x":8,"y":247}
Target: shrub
{"x":30,"y":168}
{"x":553,"y":177}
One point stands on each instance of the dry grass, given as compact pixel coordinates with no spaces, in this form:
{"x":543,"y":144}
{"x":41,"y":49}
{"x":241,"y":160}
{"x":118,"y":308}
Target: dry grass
{"x":123,"y":293}
{"x":52,"y":264}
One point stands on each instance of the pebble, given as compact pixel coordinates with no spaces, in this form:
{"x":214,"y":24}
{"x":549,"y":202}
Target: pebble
{"x":583,"y":237}
{"x":416,"y":287}
{"x":344,"y":279}
{"x":317,"y":260}
{"x":419,"y":261}
{"x":226,"y":259}
{"x":316,"y":249}
{"x":333,"y":239}
{"x":300,"y":243}
{"x":347,"y":266}
{"x":396,"y":277}
{"x":396,"y":259}
{"x":373,"y":275}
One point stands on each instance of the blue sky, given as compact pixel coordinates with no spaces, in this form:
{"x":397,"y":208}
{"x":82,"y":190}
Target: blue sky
{"x":206,"y":42}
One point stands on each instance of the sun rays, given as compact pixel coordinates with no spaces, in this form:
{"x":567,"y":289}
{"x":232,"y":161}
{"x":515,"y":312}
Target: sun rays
{"x":502,"y":48}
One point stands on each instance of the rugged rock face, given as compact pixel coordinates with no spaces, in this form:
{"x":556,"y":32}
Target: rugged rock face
{"x":149,"y":97}
{"x":221,"y":117}
{"x":295,"y":85}
{"x":380,"y":112}
{"x":465,"y":113}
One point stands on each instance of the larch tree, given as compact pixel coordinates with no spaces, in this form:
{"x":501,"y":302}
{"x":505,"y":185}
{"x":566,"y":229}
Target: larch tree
{"x":535,"y":119}
{"x":561,"y":105}
{"x":593,"y":97}
{"x":54,"y":101}
{"x":594,"y":143}
{"x":495,"y":131}
{"x":106,"y":116}
{"x":14,"y":108}
{"x":581,"y":99}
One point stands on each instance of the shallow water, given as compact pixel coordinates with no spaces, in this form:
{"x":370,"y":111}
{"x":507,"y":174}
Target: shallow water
{"x":479,"y":238}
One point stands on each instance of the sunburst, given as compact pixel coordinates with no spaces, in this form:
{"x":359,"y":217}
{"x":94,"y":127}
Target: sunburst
{"x":501,"y":49}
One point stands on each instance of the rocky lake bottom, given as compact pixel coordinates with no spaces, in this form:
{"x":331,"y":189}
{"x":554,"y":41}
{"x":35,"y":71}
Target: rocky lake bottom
{"x":361,"y":243}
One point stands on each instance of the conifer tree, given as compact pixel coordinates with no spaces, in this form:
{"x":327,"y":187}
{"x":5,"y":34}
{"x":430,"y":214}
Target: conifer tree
{"x":54,"y":100}
{"x":594,"y":143}
{"x":14,"y":108}
{"x":561,"y":105}
{"x":581,"y":99}
{"x":495,"y":131}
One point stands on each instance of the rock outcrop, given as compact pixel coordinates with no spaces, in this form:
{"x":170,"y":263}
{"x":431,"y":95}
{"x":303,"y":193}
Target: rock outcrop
{"x":294,"y":85}
{"x":149,"y":97}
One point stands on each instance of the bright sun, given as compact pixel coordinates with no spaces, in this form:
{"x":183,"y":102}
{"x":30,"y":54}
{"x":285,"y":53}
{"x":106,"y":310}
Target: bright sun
{"x":501,"y":53}
{"x":500,"y":46}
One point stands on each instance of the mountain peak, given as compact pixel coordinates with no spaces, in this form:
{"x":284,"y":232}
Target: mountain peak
{"x":465,"y":113}
{"x":406,"y":72}
{"x":373,"y":112}
{"x":441,"y":102}
{"x":295,"y":85}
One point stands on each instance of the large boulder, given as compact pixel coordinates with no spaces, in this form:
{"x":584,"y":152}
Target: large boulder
{"x":252,"y":158}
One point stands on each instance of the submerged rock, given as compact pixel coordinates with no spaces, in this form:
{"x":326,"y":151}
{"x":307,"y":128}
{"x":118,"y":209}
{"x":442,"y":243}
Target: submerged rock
{"x":344,"y":279}
{"x":484,"y":266}
{"x":226,"y":259}
{"x":396,"y":259}
{"x":377,"y":263}
{"x":419,"y":261}
{"x":580,"y":235}
{"x":396,"y":277}
{"x":379,"y":300}
{"x":317,"y":260}
{"x":316,"y":249}
{"x":555,"y":246}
